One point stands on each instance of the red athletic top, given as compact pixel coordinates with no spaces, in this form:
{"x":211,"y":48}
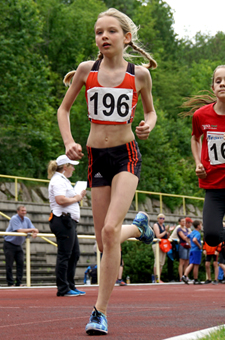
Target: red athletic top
{"x":208,"y":123}
{"x":111,"y":105}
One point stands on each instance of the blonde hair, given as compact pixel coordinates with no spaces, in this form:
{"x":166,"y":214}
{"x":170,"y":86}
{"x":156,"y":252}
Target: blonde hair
{"x":53,"y":167}
{"x":160,"y":215}
{"x":127,"y":25}
{"x":68,"y":78}
{"x":202,"y":99}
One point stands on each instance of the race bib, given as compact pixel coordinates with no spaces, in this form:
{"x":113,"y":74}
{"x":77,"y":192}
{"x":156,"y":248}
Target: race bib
{"x":216,"y":147}
{"x":110,"y":104}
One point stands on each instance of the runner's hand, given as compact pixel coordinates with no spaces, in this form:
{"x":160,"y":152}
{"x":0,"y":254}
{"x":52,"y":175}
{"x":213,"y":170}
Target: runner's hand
{"x":142,"y":130}
{"x":74,"y":151}
{"x":200,"y":171}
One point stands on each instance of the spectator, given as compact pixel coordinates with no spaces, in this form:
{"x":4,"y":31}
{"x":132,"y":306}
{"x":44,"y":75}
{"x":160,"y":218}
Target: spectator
{"x":161,"y":231}
{"x":211,"y":253}
{"x":175,"y":250}
{"x":221,"y":272}
{"x":184,"y":247}
{"x":119,"y":280}
{"x":65,"y":214}
{"x":174,"y":235}
{"x":13,"y":244}
{"x":222,"y":260}
{"x":91,"y":274}
{"x":188,"y":223}
{"x":95,"y":248}
{"x":195,"y":253}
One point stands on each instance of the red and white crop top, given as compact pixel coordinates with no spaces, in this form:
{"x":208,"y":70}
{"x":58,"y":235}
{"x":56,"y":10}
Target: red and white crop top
{"x":111,"y":105}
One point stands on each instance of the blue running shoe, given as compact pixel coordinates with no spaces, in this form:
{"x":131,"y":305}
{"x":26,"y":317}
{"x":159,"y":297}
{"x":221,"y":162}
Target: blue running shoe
{"x":79,"y":291}
{"x":141,"y":221}
{"x":98,"y":324}
{"x":71,"y":293}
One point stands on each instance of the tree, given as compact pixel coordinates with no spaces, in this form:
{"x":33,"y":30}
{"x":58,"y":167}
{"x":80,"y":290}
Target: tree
{"x":25,"y":108}
{"x":126,"y":7}
{"x":42,"y":40}
{"x":204,"y":47}
{"x":68,"y":32}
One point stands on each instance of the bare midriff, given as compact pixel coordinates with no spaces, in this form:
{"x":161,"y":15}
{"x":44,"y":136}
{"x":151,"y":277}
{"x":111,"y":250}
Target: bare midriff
{"x":108,"y":136}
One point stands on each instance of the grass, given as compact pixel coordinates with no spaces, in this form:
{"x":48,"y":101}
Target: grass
{"x":217,"y":335}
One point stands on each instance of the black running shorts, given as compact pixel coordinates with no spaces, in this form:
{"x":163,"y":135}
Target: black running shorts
{"x":104,"y":164}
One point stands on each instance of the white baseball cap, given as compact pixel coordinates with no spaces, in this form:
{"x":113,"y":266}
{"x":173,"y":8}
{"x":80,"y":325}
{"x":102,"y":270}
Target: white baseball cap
{"x":63,"y":159}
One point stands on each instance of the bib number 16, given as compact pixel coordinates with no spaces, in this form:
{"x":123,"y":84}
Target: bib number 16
{"x":216,"y":147}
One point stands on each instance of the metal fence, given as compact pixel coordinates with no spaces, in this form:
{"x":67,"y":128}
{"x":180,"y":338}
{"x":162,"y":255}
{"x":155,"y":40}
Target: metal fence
{"x":159,"y":194}
{"x":45,"y":236}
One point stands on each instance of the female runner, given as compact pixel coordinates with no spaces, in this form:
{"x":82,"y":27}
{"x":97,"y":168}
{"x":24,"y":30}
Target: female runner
{"x":209,"y":154}
{"x":112,"y":89}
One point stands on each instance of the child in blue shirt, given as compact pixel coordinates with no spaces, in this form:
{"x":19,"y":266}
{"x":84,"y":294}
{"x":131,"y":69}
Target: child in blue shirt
{"x":195,"y":253}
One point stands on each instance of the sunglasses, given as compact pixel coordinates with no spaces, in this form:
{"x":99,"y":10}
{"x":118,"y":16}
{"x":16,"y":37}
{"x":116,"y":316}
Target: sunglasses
{"x":162,"y":218}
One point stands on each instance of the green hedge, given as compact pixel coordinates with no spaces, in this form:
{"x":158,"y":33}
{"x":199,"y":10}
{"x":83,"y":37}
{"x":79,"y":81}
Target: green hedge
{"x":139,"y":261}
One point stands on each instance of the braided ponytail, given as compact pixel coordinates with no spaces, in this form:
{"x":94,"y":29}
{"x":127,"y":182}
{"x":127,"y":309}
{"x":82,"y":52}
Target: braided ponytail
{"x":100,"y":56}
{"x":68,"y":78}
{"x":152,"y":63}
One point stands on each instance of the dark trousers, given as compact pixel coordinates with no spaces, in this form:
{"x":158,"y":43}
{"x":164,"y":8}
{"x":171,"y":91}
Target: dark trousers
{"x":170,"y":269}
{"x":13,"y":252}
{"x":68,"y":253}
{"x":170,"y":262}
{"x":213,"y":213}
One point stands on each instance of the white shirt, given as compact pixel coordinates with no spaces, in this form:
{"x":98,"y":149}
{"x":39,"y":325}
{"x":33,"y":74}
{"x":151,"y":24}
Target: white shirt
{"x":61,"y":186}
{"x":174,"y":235}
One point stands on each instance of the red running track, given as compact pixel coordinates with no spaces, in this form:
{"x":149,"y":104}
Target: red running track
{"x":153,"y":312}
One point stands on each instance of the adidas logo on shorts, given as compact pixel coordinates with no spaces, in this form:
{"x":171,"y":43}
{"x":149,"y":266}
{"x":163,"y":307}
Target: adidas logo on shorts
{"x":98,"y":175}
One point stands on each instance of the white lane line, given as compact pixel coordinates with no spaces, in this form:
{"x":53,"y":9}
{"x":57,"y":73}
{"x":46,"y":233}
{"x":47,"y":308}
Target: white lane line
{"x":196,"y":335}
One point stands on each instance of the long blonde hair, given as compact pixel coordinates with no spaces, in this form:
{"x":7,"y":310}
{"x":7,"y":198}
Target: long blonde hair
{"x":203,"y":98}
{"x":127,"y":25}
{"x":197,"y":101}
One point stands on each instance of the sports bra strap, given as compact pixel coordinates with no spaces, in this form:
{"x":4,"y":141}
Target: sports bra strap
{"x":130,"y":67}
